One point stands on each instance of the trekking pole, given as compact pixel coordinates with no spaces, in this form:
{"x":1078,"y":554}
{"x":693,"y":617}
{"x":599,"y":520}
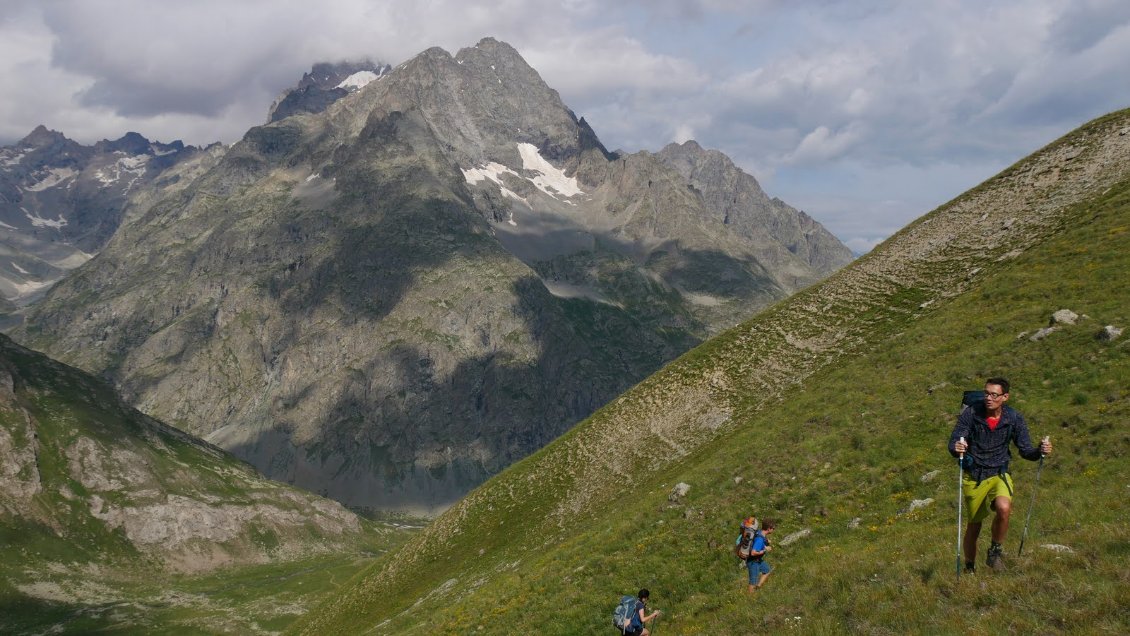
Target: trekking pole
{"x":960,"y":461}
{"x":1032,"y":504}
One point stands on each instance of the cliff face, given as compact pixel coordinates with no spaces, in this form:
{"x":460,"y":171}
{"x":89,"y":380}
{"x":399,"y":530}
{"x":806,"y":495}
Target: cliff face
{"x":391,"y":299}
{"x":737,"y":200}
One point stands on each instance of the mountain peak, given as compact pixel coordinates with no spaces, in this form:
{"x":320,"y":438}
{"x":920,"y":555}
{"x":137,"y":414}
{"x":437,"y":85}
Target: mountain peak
{"x":328,"y":75}
{"x":491,"y":45}
{"x":42,"y":137}
{"x":326,"y":83}
{"x":496,"y":51}
{"x":131,"y":143}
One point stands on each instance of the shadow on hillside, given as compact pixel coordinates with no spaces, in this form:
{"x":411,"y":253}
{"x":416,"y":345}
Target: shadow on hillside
{"x":21,"y":614}
{"x":490,"y":411}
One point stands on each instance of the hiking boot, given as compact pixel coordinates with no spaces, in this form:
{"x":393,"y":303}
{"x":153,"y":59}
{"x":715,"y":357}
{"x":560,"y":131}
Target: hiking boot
{"x":995,"y":557}
{"x":970,"y":567}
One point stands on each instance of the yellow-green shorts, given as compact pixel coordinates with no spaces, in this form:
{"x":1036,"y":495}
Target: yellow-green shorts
{"x":979,"y":497}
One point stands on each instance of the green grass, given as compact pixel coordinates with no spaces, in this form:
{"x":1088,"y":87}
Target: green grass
{"x":853,"y":441}
{"x":243,"y":600}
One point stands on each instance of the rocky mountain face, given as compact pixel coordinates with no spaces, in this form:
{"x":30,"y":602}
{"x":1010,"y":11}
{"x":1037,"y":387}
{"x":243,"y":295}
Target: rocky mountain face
{"x":771,"y":225}
{"x":60,"y":202}
{"x":81,"y":469}
{"x":391,"y":299}
{"x":323,"y":85}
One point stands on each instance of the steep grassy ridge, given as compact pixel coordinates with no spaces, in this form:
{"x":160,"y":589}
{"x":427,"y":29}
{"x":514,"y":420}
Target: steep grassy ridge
{"x":831,"y":406}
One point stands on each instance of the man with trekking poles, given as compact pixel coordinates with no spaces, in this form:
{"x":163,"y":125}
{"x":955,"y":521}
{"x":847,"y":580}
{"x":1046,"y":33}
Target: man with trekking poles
{"x":981,"y":440}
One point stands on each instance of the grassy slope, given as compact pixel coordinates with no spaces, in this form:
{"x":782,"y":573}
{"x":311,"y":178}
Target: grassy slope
{"x":541,"y":543}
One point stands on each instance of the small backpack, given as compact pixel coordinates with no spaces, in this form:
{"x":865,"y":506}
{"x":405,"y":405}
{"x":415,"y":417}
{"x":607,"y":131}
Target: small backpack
{"x":743,"y":545}
{"x":622,"y":615}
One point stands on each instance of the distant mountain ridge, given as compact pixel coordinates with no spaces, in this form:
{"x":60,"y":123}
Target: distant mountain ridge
{"x":388,"y":299}
{"x":60,"y":201}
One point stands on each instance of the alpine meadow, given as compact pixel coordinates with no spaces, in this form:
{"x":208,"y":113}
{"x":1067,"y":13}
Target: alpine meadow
{"x":830,"y":411}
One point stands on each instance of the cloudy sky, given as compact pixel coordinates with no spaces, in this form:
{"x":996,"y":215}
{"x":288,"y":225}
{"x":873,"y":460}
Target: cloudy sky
{"x":864,"y":113}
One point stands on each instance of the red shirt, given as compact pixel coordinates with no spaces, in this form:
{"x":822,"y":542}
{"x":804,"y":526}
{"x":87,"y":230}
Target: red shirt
{"x":992,"y":422}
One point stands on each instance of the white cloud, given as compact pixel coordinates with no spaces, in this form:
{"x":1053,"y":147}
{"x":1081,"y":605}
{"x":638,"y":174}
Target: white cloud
{"x":605,"y":61}
{"x":683,"y":134}
{"x":823,"y":144}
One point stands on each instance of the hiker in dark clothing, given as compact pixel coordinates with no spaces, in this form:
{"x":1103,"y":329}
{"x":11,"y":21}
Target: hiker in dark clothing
{"x":639,"y":617}
{"x":987,"y":430}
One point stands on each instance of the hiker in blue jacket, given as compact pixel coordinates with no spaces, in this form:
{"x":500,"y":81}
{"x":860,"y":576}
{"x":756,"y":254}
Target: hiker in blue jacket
{"x":639,"y":618}
{"x":758,"y":569}
{"x":983,"y":434}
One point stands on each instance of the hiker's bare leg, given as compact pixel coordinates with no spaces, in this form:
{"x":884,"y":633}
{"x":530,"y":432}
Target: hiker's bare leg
{"x":761,"y":580}
{"x":1003,"y":506}
{"x":969,"y":545}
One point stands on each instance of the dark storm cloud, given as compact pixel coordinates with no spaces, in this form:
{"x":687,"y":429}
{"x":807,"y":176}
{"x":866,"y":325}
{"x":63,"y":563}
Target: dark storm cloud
{"x":1085,"y":23}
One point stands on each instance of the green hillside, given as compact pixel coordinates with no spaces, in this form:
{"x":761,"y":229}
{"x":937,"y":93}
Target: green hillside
{"x":112,"y":522}
{"x":834,"y":405}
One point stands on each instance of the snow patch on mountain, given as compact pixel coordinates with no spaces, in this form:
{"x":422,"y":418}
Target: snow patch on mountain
{"x":55,"y":177}
{"x":551,"y":178}
{"x":38,"y":221}
{"x":493,"y":172}
{"x":12,"y":160}
{"x":133,"y":164}
{"x":129,"y":165}
{"x":358,"y":80}
{"x":30,"y":287}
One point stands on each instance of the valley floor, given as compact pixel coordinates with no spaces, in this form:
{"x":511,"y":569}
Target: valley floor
{"x":46,"y":597}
